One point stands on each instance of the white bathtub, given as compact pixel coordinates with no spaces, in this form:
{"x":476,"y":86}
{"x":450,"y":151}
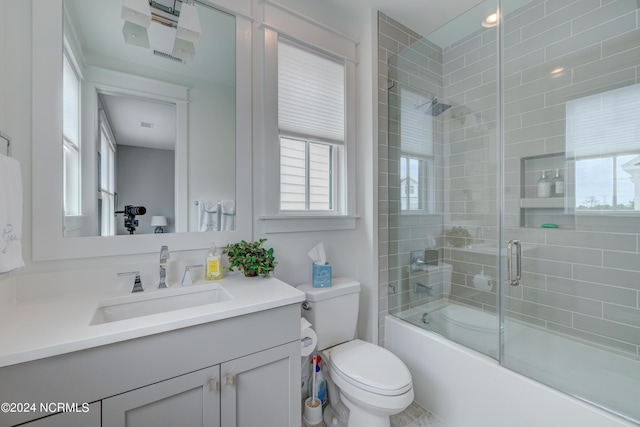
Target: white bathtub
{"x":465,"y":388}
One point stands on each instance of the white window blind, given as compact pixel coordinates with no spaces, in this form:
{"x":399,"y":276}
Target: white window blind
{"x":311,"y":93}
{"x":416,"y":126}
{"x":604,"y":124}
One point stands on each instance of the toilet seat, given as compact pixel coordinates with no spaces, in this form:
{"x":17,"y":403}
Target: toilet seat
{"x":371,"y":368}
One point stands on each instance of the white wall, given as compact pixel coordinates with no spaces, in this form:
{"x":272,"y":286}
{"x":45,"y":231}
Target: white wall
{"x":351,"y":252}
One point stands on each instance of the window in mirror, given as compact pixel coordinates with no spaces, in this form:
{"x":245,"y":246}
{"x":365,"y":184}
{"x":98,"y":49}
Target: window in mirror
{"x":416,"y":146}
{"x":107,"y":187}
{"x":311,"y":122}
{"x":603,"y":140}
{"x":71,"y":138}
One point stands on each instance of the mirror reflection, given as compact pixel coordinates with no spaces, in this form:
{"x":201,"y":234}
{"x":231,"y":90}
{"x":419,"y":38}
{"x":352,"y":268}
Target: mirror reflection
{"x":149,"y":118}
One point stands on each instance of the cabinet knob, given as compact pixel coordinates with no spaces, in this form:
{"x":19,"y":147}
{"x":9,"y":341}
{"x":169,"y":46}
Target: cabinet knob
{"x":229,"y":378}
{"x":213,"y":384}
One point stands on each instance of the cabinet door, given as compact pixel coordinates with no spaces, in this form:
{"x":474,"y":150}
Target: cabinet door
{"x":91,"y":418}
{"x":262,"y":389}
{"x":191,"y":400}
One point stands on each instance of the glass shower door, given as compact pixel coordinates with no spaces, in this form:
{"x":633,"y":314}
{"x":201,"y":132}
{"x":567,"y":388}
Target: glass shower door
{"x":571,"y":197}
{"x":444,"y":163}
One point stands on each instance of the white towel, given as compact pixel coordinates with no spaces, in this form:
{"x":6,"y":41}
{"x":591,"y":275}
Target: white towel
{"x":228,"y":215}
{"x":10,"y":215}
{"x":208,"y":218}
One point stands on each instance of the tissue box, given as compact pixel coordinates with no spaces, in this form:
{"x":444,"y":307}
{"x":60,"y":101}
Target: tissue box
{"x":431,"y":256}
{"x":322,"y":275}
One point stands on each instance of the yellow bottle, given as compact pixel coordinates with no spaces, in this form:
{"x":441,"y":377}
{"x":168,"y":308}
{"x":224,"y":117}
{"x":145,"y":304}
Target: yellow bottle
{"x":213,"y":268}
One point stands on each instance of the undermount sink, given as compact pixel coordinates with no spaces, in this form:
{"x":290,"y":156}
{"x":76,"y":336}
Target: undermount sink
{"x":138,"y":305}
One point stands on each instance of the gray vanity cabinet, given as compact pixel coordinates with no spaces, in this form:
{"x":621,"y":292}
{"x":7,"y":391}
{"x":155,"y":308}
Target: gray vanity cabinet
{"x":253,"y":390}
{"x":241,"y":371}
{"x":191,"y":400}
{"x":260,"y":389}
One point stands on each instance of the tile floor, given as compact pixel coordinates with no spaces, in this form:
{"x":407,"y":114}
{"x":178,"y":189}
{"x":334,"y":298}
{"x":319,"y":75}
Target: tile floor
{"x":416,"y":416}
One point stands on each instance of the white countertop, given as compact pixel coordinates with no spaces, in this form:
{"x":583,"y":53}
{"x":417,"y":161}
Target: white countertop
{"x":43,"y":327}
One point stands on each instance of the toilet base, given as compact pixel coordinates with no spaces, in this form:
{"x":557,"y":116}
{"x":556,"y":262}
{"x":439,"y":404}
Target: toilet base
{"x":359,"y":416}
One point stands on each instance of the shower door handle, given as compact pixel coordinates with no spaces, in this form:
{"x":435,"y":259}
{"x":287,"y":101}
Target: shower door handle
{"x":514,"y":281}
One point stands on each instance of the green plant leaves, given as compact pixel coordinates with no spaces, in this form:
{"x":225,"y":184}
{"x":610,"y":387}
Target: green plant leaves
{"x":248,"y":256}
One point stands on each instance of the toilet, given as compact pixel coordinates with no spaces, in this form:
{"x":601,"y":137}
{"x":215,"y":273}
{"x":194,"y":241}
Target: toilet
{"x":435,"y":281}
{"x":373,"y":382}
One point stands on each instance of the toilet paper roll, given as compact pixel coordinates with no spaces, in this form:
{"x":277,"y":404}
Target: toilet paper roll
{"x":482,"y":282}
{"x":308,"y":338}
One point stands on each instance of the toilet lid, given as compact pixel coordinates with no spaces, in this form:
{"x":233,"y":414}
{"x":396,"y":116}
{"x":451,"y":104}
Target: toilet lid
{"x":371,"y":368}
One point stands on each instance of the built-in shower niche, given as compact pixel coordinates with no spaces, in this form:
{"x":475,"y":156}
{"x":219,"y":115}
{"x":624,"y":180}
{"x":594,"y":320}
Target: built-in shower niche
{"x":556,"y":210}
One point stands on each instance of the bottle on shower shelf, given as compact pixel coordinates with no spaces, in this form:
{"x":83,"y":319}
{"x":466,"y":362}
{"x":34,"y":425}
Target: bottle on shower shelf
{"x":558,"y":185}
{"x":544,"y":186}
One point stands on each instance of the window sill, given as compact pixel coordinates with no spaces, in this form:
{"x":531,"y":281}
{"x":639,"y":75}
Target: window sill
{"x":300,"y":223}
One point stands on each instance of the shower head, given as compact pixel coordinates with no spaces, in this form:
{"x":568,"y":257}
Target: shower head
{"x":437,"y":108}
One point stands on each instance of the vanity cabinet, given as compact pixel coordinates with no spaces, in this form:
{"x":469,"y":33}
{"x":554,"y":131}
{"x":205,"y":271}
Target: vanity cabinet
{"x":253,"y":390}
{"x":236,"y":372}
{"x":259,"y":390}
{"x":191,"y":400}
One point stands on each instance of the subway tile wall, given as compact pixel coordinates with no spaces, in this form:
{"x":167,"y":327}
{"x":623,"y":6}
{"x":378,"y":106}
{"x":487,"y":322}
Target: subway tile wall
{"x":582,"y":280}
{"x":393,"y":37}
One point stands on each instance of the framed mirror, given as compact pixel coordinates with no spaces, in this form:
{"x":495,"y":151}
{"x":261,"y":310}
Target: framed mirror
{"x":123,"y":180}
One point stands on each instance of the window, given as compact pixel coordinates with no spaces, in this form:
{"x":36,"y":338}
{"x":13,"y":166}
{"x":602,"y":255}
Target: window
{"x":71,"y":138}
{"x":107,"y":181}
{"x":417,"y":186}
{"x":605,"y":184}
{"x":602,"y":140}
{"x":311,"y":124}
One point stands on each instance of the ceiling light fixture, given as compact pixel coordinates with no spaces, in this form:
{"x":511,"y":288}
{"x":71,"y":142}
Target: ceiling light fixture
{"x":173,"y":29}
{"x":188,"y":24}
{"x":135,"y":34}
{"x":491,"y":20}
{"x":137,"y":12}
{"x":184,"y":50}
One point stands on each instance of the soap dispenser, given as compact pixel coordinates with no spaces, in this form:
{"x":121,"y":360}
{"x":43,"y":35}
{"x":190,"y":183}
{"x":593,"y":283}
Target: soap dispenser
{"x":213,"y":268}
{"x":558,"y":185}
{"x":544,"y":185}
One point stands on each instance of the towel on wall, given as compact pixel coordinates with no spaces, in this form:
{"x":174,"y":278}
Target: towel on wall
{"x":10,"y":215}
{"x":228,"y":209}
{"x":208,"y":215}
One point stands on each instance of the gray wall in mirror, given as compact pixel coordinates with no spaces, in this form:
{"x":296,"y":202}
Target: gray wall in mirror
{"x":205,"y":137}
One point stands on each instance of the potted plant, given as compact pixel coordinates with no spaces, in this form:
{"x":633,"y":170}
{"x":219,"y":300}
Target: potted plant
{"x":458,"y":237}
{"x":250,"y":258}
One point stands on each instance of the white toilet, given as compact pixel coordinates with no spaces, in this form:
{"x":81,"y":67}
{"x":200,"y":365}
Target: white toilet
{"x":373,"y":382}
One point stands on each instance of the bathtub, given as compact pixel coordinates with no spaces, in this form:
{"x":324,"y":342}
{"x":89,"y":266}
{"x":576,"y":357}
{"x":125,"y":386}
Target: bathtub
{"x":466,"y":388}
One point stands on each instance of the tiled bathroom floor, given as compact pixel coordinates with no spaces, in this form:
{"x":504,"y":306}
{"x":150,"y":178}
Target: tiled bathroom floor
{"x":416,"y":416}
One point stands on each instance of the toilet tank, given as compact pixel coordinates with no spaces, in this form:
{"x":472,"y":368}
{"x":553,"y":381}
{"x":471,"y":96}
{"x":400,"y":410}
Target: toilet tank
{"x":333,"y":311}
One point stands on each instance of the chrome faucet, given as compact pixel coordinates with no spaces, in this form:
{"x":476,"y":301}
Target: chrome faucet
{"x":164,"y":256}
{"x":419,"y":288}
{"x":137,"y":283}
{"x":417,"y":261}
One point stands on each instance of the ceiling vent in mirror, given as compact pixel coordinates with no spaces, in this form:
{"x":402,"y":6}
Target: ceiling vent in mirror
{"x":167,"y":56}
